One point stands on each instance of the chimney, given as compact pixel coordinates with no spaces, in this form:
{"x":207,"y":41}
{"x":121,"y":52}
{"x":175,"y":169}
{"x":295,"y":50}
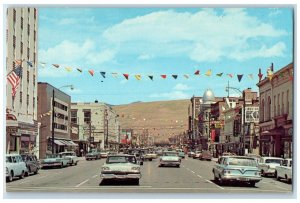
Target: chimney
{"x":259,"y":75}
{"x":272,"y":67}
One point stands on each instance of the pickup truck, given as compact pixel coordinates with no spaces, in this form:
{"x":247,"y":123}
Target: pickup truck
{"x":93,"y":154}
{"x":284,"y":171}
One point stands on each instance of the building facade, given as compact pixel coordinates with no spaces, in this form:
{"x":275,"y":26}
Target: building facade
{"x":22,"y":50}
{"x":97,"y":123}
{"x":276,"y":113}
{"x":62,"y":128}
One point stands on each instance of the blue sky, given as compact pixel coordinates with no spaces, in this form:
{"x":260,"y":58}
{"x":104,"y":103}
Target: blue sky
{"x":155,"y":41}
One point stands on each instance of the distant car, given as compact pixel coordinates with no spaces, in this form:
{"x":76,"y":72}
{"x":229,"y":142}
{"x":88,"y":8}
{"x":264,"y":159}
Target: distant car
{"x":181,"y":155}
{"x":191,"y":154}
{"x":197,"y":154}
{"x":104,"y":154}
{"x":93,"y":154}
{"x":170,"y":158}
{"x":228,"y":154}
{"x":267,"y":165}
{"x":73,"y":159}
{"x":15,"y":167}
{"x":31,"y":162}
{"x":121,"y":167}
{"x":285,"y":170}
{"x":149,"y":156}
{"x":236,"y":169}
{"x":255,"y":156}
{"x":206,"y":155}
{"x":54,"y":160}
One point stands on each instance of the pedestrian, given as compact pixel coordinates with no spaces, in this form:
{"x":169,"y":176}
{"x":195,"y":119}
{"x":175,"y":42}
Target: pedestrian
{"x":81,"y":152}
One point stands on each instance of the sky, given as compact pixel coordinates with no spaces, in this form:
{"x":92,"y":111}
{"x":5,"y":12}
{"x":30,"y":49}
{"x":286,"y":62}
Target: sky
{"x":156,"y":41}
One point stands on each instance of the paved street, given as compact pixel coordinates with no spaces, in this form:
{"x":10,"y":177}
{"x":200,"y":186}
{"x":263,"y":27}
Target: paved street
{"x":193,"y":176}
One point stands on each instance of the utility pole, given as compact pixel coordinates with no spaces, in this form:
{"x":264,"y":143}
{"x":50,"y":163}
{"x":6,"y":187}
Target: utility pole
{"x":106,"y":128}
{"x":53,"y":120}
{"x":90,"y":134}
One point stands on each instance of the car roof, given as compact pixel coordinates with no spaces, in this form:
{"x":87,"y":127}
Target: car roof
{"x":270,"y":157}
{"x":12,"y":154}
{"x":121,"y":155}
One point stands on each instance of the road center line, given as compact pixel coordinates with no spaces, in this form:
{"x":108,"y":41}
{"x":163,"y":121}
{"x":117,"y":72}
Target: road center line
{"x":95,"y":176}
{"x":192,"y":171}
{"x":214,"y":184}
{"x":82,"y":183}
{"x":199,"y":176}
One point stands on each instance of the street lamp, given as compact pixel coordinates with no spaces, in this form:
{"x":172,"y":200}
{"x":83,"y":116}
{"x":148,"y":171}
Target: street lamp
{"x":244,"y":116}
{"x":53,"y":102}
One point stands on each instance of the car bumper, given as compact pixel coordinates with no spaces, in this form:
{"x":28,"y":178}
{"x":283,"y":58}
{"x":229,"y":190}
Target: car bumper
{"x":50,"y":164}
{"x":241,"y":178}
{"x":117,"y":176}
{"x":169,"y":163}
{"x":270,"y":171}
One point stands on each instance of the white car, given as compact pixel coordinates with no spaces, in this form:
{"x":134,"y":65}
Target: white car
{"x":73,"y":159}
{"x":170,"y":158}
{"x":15,"y":167}
{"x":267,"y":165}
{"x":285,"y":170}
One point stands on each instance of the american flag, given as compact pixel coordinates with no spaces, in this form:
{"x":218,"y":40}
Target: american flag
{"x":14,"y":79}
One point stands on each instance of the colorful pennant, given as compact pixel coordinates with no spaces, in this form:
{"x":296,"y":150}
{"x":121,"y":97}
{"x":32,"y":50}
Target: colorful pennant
{"x":230,"y":75}
{"x":175,"y":76}
{"x":43,"y":64}
{"x":208,"y":73}
{"x":239,"y":77}
{"x":91,"y":72}
{"x":19,"y":62}
{"x":151,"y":77}
{"x":79,"y":69}
{"x":115,"y":75}
{"x":56,"y":65}
{"x":219,"y":74}
{"x":29,"y":63}
{"x":126,"y":76}
{"x":138,"y":77}
{"x":186,"y":76}
{"x":69,"y":69}
{"x":164,"y":76}
{"x":197,"y":72}
{"x":103,"y":74}
{"x":251,"y":76}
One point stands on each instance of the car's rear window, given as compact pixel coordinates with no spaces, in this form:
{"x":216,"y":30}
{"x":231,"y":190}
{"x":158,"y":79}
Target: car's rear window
{"x":275,"y":161}
{"x":121,"y":159}
{"x":242,"y":162}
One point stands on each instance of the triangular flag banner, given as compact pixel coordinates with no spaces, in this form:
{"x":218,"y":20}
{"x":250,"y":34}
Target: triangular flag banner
{"x":29,"y":63}
{"x":103,"y":74}
{"x":197,"y":72}
{"x":69,"y":69}
{"x":260,"y":76}
{"x":208,"y":73}
{"x":115,"y":75}
{"x":91,"y":72}
{"x":138,"y":77}
{"x":220,"y":74}
{"x":186,"y":76}
{"x":230,"y":75}
{"x":174,"y":76}
{"x":239,"y":77}
{"x":79,"y":69}
{"x":151,"y":77}
{"x":126,"y":76}
{"x":43,"y":64}
{"x":164,"y":76}
{"x":56,"y":65}
{"x":251,"y":76}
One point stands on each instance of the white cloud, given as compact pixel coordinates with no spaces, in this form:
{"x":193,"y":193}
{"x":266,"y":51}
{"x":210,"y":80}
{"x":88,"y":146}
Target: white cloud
{"x":67,"y":21}
{"x":145,"y":57}
{"x":171,"y":95}
{"x":181,"y":87}
{"x":101,"y":57}
{"x":201,"y":36}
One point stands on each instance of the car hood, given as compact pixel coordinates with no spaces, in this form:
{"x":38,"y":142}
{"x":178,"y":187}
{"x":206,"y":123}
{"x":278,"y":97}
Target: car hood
{"x":170,"y":158}
{"x":120,"y":166}
{"x":273,"y":165}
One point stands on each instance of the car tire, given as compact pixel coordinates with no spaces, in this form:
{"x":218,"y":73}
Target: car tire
{"x":62,"y":165}
{"x":221,"y":182}
{"x":252,"y":183}
{"x":150,"y":159}
{"x":72,"y":163}
{"x":263,"y":173}
{"x":37,"y":171}
{"x":76,"y":163}
{"x":136,"y":181}
{"x":22,"y":175}
{"x":178,"y":166}
{"x":10,"y":177}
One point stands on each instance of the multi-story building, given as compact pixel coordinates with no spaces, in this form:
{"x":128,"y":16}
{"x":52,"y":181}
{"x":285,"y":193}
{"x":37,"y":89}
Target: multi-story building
{"x":276,"y":113}
{"x":98,"y":125}
{"x":61,"y":111}
{"x":21,"y":109}
{"x":194,"y":110}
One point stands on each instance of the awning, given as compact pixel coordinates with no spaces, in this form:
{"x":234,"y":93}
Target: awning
{"x":58,"y":142}
{"x":72,"y":143}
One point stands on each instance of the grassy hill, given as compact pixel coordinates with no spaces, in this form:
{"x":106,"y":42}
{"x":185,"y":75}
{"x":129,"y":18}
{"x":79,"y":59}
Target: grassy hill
{"x":162,"y":119}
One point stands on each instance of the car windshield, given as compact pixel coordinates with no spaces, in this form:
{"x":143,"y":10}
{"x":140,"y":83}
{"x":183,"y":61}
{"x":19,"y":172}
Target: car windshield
{"x":273,"y":161}
{"x":121,"y":159}
{"x":49,"y":156}
{"x":170,"y":154}
{"x":68,"y":154}
{"x":242,"y":162}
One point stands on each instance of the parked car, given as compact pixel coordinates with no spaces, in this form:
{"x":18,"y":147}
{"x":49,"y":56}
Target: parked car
{"x":285,"y":170}
{"x":93,"y":154}
{"x":121,"y":167}
{"x":32,"y":163}
{"x":54,"y":160}
{"x":181,"y":155}
{"x":73,"y":159}
{"x":170,"y":158}
{"x":267,"y":165}
{"x":197,"y":155}
{"x":104,"y":154}
{"x":191,"y":154}
{"x":206,"y":155}
{"x":15,"y":167}
{"x":149,"y":156}
{"x":236,"y":169}
{"x":255,"y":156}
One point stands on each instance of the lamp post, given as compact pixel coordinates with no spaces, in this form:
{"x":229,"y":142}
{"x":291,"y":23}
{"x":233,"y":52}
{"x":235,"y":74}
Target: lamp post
{"x":244,"y":116}
{"x":53,"y":112}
